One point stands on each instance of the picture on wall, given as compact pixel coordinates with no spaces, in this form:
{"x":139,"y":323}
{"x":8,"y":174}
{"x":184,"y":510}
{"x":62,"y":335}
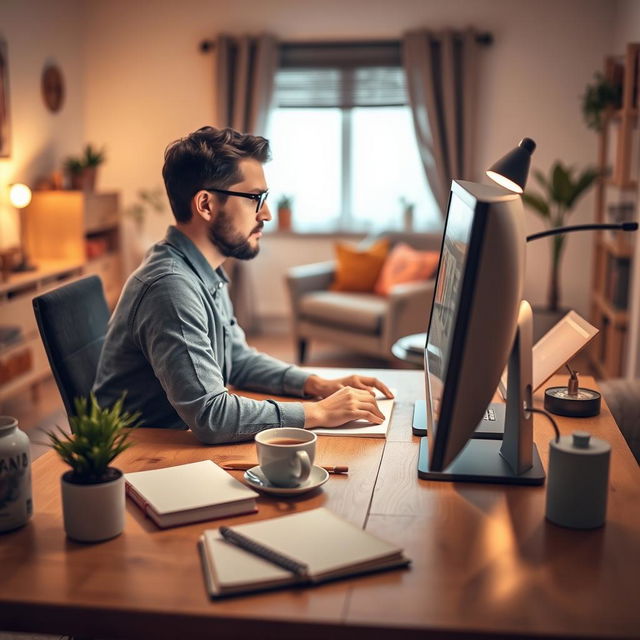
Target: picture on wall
{"x":5,"y":123}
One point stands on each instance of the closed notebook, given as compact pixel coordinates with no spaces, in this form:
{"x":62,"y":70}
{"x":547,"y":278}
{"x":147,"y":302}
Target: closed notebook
{"x":325,"y":544}
{"x":189,"y":493}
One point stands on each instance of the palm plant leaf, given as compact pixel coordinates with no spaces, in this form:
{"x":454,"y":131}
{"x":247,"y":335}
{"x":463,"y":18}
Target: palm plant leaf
{"x":537,"y":203}
{"x":582,"y":184}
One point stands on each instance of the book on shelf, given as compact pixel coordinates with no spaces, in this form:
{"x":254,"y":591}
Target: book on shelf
{"x":189,"y":493}
{"x":299,"y":549}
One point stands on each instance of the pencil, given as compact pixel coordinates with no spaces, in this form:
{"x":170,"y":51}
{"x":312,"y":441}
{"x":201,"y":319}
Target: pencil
{"x":243,"y":466}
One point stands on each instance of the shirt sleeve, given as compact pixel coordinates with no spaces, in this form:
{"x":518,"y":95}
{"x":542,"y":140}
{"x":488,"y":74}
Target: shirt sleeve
{"x":260,"y":372}
{"x":170,"y":326}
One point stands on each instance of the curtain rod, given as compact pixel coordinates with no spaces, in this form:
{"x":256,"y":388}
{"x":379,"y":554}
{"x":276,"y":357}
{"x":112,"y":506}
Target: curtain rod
{"x":485,"y":38}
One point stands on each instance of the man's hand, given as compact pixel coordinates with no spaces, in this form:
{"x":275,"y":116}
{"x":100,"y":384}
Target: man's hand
{"x":344,"y":405}
{"x":318,"y":387}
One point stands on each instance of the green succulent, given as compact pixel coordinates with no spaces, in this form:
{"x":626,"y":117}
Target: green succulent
{"x":92,"y":157}
{"x":97,"y":436}
{"x":562,"y":189}
{"x":73,"y":165}
{"x":285,"y":202}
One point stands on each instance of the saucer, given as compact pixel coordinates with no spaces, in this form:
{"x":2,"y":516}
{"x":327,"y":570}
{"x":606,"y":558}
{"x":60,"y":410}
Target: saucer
{"x":257,"y":480}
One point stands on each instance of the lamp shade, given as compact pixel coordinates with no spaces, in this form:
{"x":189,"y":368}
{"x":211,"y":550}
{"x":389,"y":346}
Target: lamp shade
{"x":512,"y":169}
{"x":19,"y":195}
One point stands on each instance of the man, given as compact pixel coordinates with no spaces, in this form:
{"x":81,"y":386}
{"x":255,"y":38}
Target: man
{"x":173,"y":344}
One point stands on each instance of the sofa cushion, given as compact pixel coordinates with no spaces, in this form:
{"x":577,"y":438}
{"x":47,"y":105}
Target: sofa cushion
{"x":357,"y":269}
{"x":358,"y":311}
{"x":405,"y":264}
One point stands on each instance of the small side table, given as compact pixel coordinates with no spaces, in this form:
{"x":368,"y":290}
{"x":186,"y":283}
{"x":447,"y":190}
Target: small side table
{"x":405,"y":349}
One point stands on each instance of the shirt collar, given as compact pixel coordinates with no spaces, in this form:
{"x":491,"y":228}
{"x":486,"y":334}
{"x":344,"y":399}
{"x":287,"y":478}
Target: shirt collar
{"x":213,"y":279}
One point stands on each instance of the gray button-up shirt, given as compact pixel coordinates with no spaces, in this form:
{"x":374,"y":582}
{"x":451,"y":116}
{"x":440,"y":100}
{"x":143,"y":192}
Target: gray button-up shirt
{"x":173,"y":345}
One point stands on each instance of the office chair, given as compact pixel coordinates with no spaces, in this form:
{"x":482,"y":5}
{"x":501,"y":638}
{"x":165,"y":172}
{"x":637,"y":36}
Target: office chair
{"x":72,"y":320}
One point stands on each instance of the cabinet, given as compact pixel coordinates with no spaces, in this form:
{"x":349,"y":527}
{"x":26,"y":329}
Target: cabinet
{"x":68,"y":235}
{"x":615,"y":201}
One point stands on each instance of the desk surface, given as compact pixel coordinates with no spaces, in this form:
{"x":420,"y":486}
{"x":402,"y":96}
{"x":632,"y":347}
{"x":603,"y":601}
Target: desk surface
{"x":485,"y":561}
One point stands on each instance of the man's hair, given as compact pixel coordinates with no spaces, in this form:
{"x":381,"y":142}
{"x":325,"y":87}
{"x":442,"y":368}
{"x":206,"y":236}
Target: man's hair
{"x":207,"y":157}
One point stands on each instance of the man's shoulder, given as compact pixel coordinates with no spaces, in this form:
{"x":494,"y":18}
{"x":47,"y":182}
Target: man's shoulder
{"x":160,"y":262}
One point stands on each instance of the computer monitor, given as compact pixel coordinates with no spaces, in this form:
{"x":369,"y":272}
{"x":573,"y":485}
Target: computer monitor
{"x":473,"y":327}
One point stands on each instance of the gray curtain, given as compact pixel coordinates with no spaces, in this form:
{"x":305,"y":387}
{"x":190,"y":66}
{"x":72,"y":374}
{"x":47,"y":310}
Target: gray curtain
{"x":441,"y":71}
{"x":245,"y":74}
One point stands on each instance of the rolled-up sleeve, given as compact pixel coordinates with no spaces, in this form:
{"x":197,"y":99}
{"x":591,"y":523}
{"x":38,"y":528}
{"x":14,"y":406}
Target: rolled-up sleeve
{"x":260,"y":372}
{"x":170,"y":326}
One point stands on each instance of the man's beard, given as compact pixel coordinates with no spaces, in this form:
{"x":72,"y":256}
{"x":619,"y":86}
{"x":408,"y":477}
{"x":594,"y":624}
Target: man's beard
{"x":231,"y":243}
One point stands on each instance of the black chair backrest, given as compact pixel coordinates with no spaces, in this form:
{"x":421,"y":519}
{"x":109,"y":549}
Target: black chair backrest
{"x":72,"y":320}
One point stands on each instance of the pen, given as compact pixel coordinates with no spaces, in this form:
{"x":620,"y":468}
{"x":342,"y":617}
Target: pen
{"x":248,"y":465}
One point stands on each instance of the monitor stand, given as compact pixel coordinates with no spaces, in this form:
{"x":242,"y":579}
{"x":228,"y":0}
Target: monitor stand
{"x":486,"y":430}
{"x":515,"y":459}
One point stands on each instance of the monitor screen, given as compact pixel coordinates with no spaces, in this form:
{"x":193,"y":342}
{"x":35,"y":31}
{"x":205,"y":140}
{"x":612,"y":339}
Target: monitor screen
{"x":446,"y":299}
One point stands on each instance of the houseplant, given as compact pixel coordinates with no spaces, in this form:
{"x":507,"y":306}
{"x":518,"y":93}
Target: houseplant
{"x":93,"y":491}
{"x":284,"y":212}
{"x":83,"y":169}
{"x":147,"y":200}
{"x":561,"y":191}
{"x":599,"y":96}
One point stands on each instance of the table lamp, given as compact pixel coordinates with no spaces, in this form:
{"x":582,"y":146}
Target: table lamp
{"x":512,"y":170}
{"x":20,"y":197}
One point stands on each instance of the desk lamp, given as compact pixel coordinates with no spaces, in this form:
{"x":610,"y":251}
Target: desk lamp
{"x":20,"y":197}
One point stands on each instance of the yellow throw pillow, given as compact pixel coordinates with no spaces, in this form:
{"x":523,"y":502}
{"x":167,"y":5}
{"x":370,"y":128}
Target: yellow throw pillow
{"x":357,"y":270}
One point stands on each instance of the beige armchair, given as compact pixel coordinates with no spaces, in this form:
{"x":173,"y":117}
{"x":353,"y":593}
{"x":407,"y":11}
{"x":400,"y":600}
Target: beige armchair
{"x":362,"y":322}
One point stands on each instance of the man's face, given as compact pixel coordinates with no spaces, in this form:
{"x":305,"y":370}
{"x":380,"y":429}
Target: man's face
{"x":236,"y":228}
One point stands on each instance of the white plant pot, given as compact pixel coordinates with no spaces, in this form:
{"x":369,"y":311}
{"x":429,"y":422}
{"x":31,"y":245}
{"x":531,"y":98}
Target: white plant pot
{"x":93,"y":512}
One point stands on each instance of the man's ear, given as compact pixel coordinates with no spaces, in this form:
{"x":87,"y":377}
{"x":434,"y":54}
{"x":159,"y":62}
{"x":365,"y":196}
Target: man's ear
{"x":203,"y":204}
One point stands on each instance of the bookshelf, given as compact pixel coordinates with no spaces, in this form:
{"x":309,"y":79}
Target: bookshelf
{"x":68,"y":235}
{"x":616,"y":200}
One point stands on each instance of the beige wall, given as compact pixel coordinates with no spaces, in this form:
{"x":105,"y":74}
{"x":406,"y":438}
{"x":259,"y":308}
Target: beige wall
{"x":136,"y":80}
{"x":146,"y":84}
{"x":37,"y":32}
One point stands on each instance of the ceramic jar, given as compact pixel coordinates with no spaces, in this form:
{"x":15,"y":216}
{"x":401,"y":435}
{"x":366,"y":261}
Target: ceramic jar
{"x":16,"y":505}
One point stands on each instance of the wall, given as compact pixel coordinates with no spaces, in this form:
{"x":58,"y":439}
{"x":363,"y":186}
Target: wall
{"x":37,"y":32}
{"x":627,"y":29}
{"x":146,"y":84}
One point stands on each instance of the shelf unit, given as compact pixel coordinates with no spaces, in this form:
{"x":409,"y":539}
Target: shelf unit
{"x":616,"y":201}
{"x":68,"y":235}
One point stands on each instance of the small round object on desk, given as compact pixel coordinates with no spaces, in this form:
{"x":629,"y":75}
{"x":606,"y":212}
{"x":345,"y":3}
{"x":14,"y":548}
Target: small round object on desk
{"x":583,"y":404}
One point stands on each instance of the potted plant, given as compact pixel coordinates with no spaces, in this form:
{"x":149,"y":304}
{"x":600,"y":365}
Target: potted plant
{"x":93,"y":493}
{"x":83,"y":170}
{"x":597,"y":98}
{"x":284,"y":212}
{"x":561,"y":191}
{"x":73,"y":167}
{"x":407,"y":213}
{"x":147,"y":200}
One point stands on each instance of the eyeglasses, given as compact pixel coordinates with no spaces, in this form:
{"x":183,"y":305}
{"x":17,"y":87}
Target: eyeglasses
{"x":258,"y":197}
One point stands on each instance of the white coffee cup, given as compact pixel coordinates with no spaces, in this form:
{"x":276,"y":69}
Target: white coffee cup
{"x":286,"y":455}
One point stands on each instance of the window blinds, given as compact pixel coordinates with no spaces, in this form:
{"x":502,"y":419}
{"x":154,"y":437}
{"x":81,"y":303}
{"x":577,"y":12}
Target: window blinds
{"x":340,"y":76}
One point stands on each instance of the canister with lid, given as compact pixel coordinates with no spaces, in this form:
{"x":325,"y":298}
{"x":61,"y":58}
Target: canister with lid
{"x":578,"y":481}
{"x":16,"y":506}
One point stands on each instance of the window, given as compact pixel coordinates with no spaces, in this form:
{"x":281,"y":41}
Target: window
{"x":343,"y":142}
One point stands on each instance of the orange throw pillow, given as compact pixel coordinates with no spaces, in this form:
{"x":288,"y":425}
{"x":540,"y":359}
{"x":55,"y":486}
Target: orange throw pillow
{"x":357,"y":270}
{"x":405,"y":264}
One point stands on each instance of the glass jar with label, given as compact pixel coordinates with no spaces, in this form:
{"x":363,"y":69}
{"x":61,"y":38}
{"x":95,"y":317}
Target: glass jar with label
{"x":16,"y":506}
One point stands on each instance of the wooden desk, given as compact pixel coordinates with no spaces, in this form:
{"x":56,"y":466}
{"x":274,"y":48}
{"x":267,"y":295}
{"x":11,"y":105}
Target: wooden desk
{"x":485,"y":561}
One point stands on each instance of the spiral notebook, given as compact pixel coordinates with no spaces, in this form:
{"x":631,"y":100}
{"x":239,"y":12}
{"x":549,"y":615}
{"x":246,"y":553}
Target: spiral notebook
{"x":299,"y":549}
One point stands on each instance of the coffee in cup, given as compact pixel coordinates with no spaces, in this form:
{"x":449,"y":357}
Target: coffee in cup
{"x":286,"y":455}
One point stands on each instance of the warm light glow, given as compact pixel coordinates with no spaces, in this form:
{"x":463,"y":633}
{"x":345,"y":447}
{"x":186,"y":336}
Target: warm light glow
{"x":19,"y":195}
{"x":504,"y":182}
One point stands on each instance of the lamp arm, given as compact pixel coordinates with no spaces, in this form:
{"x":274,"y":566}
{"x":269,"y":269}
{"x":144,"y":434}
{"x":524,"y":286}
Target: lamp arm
{"x":624,"y":226}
